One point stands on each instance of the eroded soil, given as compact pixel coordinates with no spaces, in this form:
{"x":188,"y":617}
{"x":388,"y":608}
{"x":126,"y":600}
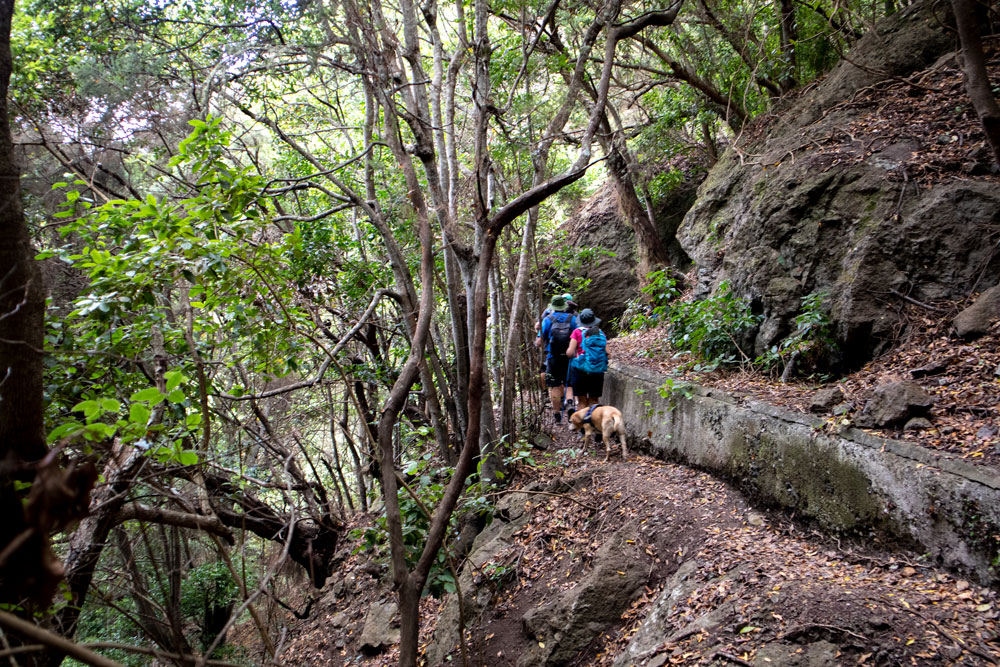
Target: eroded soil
{"x":763,"y":589}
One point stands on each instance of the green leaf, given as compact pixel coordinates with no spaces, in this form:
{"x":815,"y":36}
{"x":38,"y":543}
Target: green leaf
{"x":747,"y":629}
{"x":110,"y":405}
{"x":151,"y":394}
{"x":138,"y":413}
{"x":176,"y":396}
{"x":64,"y":430}
{"x":174,"y":379}
{"x":187,"y":458}
{"x":84,"y":406}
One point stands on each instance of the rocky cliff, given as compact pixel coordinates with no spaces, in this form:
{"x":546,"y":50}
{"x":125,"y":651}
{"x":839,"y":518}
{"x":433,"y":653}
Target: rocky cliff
{"x":871,"y":186}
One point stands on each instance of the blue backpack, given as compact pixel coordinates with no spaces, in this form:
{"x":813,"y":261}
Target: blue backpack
{"x":595,"y":358}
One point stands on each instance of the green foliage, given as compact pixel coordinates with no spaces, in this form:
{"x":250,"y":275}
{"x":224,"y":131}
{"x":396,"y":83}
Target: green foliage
{"x":110,"y":624}
{"x":653,"y":307}
{"x":570,"y":263}
{"x":711,"y":329}
{"x":811,"y":345}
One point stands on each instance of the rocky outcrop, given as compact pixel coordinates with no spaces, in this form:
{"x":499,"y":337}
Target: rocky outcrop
{"x":895,"y":404}
{"x":381,"y":629}
{"x":977,"y":319}
{"x":609,"y":272}
{"x":570,"y":623}
{"x":783,"y":217}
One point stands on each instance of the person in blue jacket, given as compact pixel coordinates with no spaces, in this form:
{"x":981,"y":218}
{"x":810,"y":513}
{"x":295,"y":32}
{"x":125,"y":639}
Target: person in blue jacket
{"x":557,"y":327}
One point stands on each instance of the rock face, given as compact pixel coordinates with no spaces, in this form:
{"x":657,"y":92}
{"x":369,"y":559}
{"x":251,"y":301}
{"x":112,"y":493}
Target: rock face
{"x":381,"y":628}
{"x":976,"y":320}
{"x":780,"y":219}
{"x":568,"y":624}
{"x":894,"y":404}
{"x":612,"y":273}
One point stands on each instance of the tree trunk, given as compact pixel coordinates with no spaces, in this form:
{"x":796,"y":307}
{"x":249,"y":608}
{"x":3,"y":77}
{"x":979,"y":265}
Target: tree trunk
{"x":977,"y":81}
{"x":32,"y":571}
{"x":511,"y":356}
{"x":786,"y":16}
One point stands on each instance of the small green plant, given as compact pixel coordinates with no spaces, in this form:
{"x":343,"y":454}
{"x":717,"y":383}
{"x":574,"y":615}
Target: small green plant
{"x":711,"y":329}
{"x":810,"y":346}
{"x":651,"y":308}
{"x":672,"y":389}
{"x":521,"y":454}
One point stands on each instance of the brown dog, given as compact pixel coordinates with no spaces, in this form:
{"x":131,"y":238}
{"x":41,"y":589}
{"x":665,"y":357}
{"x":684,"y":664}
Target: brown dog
{"x":607,"y":420}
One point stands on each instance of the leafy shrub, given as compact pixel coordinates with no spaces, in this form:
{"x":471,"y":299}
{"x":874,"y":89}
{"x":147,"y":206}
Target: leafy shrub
{"x":811,"y":346}
{"x":711,"y":329}
{"x":653,"y":307}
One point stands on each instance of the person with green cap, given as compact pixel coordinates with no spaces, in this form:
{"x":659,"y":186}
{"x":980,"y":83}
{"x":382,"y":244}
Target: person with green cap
{"x":556,"y":329}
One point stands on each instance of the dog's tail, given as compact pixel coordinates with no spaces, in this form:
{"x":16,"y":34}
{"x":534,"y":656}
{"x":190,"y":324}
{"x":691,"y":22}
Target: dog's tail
{"x":619,"y":427}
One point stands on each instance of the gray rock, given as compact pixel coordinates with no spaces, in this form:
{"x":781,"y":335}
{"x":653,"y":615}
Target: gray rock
{"x":663,"y":622}
{"x":895,"y":403}
{"x":918,"y":424}
{"x":841,"y":409}
{"x":567,"y":625}
{"x":381,"y":628}
{"x":477,"y":592}
{"x":987,"y":432}
{"x":825,"y":399}
{"x":976,"y":320}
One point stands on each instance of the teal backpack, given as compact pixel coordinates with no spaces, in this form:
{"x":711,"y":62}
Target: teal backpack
{"x":595,"y":358}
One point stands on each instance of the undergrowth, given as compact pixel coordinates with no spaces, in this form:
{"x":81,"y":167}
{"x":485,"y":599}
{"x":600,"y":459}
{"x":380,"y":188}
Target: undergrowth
{"x":718,"y":330}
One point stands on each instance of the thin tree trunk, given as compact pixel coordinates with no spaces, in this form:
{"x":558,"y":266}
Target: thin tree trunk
{"x":977,"y":81}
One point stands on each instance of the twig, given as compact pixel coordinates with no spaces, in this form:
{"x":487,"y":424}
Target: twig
{"x":914,"y":301}
{"x":731,"y":658}
{"x":990,"y":657}
{"x":50,"y":639}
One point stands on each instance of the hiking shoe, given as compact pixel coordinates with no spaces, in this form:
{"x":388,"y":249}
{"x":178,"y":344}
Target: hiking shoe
{"x":557,"y":417}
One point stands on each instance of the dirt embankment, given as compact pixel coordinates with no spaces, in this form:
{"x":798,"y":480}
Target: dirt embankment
{"x":721,"y":583}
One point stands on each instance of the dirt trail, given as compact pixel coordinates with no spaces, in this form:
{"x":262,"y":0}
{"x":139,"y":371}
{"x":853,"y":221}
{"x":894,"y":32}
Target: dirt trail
{"x":758,"y":588}
{"x":763,"y":589}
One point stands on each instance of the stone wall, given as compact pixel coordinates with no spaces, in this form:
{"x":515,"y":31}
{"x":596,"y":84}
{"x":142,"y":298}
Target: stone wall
{"x":846,"y":481}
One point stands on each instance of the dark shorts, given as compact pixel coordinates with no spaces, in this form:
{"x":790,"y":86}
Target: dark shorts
{"x":571,"y":376}
{"x":588,"y":384}
{"x":555,"y":370}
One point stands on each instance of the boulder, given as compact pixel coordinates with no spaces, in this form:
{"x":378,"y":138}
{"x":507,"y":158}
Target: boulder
{"x":824,"y":400}
{"x":893,"y":404}
{"x":977,"y":319}
{"x":381,"y":629}
{"x":918,"y":424}
{"x":609,"y":275}
{"x":567,"y":625}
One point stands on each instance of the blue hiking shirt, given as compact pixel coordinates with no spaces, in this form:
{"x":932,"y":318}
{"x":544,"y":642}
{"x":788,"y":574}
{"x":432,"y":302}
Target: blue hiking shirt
{"x":547,"y":326}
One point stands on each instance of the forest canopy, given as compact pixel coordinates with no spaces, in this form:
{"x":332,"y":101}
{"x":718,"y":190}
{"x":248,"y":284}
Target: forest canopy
{"x":292,"y":254}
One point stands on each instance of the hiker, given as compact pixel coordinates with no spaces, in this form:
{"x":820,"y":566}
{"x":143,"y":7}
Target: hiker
{"x":588,"y":348}
{"x":557,"y":327}
{"x":584,"y":321}
{"x":571,"y":307}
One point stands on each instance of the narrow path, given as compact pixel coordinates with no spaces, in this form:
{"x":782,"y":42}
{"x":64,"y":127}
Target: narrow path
{"x":754,"y":587}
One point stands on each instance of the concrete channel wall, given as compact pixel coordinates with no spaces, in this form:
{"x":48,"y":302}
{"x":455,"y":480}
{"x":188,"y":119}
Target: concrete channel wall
{"x":847,"y":481}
